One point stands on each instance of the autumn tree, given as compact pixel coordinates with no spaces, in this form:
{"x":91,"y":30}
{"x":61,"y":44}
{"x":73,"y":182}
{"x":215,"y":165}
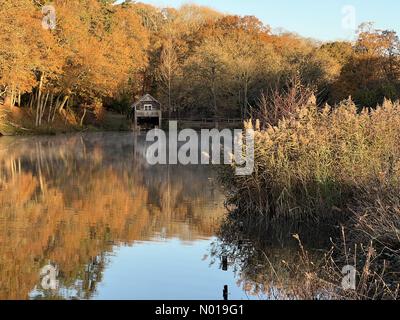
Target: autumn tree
{"x":167,"y":72}
{"x":197,"y":61}
{"x":372,"y":72}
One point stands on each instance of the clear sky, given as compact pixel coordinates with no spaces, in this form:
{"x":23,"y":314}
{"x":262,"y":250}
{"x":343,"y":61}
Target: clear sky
{"x":320,"y":19}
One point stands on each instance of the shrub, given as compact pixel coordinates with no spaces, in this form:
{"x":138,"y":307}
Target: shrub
{"x":315,"y":163}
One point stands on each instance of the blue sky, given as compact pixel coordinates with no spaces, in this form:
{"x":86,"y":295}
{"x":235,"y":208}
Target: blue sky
{"x":320,"y":19}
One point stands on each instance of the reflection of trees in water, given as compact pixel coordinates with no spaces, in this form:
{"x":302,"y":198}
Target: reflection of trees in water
{"x":269,"y":262}
{"x":70,"y":199}
{"x":82,"y":287}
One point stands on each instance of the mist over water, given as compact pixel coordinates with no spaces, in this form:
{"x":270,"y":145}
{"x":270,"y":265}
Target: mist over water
{"x":113,"y":226}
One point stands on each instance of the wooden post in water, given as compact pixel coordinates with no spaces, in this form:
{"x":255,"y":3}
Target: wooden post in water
{"x":225,"y":263}
{"x":226,"y":293}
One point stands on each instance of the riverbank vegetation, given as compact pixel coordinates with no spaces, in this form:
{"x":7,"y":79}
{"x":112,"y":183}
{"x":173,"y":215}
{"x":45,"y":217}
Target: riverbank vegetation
{"x":314,"y":163}
{"x":276,"y":263}
{"x":22,"y":121}
{"x":338,"y":166}
{"x":196,"y":61}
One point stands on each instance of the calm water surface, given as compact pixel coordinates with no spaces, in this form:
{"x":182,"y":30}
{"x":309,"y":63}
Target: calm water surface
{"x":115,"y":227}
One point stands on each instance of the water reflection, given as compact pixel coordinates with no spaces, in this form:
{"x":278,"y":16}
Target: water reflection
{"x":76,"y":200}
{"x":89,"y":206}
{"x":272,"y":262}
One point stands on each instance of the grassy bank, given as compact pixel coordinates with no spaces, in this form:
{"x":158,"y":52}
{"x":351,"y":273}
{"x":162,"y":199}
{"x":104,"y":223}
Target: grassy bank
{"x":339,"y":165}
{"x":22,"y":121}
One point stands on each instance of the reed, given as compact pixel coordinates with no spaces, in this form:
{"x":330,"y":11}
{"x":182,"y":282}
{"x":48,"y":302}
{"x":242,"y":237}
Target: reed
{"x":317,"y":162}
{"x":337,"y":165}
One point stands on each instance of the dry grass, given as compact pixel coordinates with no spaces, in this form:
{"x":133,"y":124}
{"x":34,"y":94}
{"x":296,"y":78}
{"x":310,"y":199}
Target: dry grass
{"x":340,"y":165}
{"x":21,"y":121}
{"x":375,"y":278}
{"x":314,"y":163}
{"x":376,"y":217}
{"x":275,"y":265}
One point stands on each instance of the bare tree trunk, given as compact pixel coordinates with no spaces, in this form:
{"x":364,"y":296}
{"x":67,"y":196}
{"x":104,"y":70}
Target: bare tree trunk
{"x":83,"y":117}
{"x":50,"y":107}
{"x":246,"y":99}
{"x":43,"y":108}
{"x":62,"y":106}
{"x":56,"y":107}
{"x":63,"y":103}
{"x":4,"y":92}
{"x":12,"y":97}
{"x":30,"y":104}
{"x":240,"y":104}
{"x":169,"y":96}
{"x":167,"y":71}
{"x":39,"y":98}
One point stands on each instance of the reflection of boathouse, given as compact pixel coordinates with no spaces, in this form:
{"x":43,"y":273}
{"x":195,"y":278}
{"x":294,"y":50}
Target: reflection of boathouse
{"x":146,"y":113}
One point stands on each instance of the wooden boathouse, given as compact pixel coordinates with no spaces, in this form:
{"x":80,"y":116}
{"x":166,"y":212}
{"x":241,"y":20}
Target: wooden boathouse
{"x":146,"y":113}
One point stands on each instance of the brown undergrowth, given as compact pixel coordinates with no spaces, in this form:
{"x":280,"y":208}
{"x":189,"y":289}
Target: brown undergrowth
{"x":339,"y":166}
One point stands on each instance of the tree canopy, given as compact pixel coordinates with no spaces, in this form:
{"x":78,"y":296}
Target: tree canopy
{"x":197,"y":61}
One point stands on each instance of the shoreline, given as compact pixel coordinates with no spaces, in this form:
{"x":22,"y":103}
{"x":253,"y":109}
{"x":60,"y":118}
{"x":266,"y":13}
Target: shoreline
{"x":20,"y":122}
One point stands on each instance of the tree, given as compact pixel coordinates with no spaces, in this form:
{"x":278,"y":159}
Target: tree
{"x":206,"y":72}
{"x":167,"y":71}
{"x":199,"y":61}
{"x":373,"y":71}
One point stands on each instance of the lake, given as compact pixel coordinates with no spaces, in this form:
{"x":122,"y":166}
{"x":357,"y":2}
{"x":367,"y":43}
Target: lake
{"x":83,"y":216}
